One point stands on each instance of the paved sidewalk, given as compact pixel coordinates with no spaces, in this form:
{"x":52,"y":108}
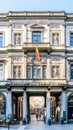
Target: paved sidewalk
{"x":15,"y":127}
{"x":47,"y":127}
{"x":40,"y":126}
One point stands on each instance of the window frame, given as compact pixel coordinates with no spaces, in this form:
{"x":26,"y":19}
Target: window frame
{"x":1,"y":32}
{"x":71,"y":39}
{"x":37,"y":36}
{"x":70,"y":70}
{"x":2,"y":71}
{"x":38,"y":71}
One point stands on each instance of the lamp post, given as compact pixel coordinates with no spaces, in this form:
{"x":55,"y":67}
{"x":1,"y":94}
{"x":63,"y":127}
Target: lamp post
{"x":9,"y":119}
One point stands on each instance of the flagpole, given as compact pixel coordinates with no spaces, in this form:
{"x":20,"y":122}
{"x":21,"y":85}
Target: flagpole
{"x":37,"y":57}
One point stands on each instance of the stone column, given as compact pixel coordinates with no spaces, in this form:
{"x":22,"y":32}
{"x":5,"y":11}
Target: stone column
{"x":25,"y":105}
{"x":48,"y":106}
{"x":9,"y":104}
{"x":64,"y":105}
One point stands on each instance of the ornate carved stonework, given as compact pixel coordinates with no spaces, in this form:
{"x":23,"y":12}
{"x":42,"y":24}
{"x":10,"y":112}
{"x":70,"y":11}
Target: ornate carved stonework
{"x":16,"y":59}
{"x":55,"y":58}
{"x":33,"y":60}
{"x":17,"y":26}
{"x":55,"y":26}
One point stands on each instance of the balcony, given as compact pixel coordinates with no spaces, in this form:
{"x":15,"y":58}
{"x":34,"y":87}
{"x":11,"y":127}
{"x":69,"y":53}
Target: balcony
{"x":69,"y":48}
{"x":35,"y":82}
{"x":41,"y":46}
{"x":58,"y":48}
{"x":27,"y":82}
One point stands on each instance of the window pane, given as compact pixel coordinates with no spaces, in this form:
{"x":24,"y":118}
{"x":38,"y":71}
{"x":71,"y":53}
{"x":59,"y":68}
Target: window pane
{"x":44,"y":71}
{"x":28,"y":71}
{"x":1,"y":39}
{"x":71,"y":74}
{"x":1,"y":71}
{"x":36,"y":37}
{"x":34,"y":71}
{"x":71,"y":39}
{"x":38,"y":72}
{"x":71,"y":71}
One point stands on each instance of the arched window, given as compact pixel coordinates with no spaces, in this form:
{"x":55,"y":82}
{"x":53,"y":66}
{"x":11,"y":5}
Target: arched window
{"x":2,"y":104}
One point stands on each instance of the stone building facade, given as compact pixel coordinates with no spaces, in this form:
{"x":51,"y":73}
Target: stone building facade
{"x":22,"y":75}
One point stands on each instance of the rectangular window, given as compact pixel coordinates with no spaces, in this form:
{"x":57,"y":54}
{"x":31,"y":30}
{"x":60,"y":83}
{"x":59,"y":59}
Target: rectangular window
{"x":44,"y":71}
{"x":28,"y":71}
{"x":55,"y":38}
{"x":1,"y":39}
{"x":36,"y":36}
{"x":71,"y":71}
{"x":1,"y":71}
{"x":17,"y":71}
{"x":17,"y":38}
{"x":71,"y":39}
{"x":36,"y":72}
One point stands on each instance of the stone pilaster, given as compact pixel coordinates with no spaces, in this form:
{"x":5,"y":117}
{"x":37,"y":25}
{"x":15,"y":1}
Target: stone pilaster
{"x":10,"y":34}
{"x":9,"y":67}
{"x":24,"y":33}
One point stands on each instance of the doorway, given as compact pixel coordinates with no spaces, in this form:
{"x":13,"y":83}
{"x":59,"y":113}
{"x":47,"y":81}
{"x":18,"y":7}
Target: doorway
{"x":70,"y":107}
{"x":36,"y":108}
{"x":55,"y":108}
{"x":17,"y":107}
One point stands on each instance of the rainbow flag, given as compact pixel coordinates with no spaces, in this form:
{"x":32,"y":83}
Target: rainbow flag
{"x":37,"y":53}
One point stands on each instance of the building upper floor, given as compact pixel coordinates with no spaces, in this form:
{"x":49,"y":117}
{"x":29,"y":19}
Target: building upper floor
{"x":22,"y":32}
{"x":26,"y":30}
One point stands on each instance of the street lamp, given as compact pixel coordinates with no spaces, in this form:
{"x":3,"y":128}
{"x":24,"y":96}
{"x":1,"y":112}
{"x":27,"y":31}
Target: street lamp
{"x":9,"y":119}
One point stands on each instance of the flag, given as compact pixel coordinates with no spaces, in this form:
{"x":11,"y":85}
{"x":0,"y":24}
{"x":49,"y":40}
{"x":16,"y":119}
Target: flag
{"x":37,"y":53}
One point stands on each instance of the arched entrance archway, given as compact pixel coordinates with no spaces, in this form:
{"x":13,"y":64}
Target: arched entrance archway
{"x":2,"y":106}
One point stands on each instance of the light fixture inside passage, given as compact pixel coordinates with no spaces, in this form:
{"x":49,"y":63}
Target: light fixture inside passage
{"x":36,"y":101}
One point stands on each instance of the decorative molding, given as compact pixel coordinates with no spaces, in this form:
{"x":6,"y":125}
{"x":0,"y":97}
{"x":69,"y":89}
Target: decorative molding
{"x":16,"y":59}
{"x":17,"y":26}
{"x":33,"y":60}
{"x":55,"y":26}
